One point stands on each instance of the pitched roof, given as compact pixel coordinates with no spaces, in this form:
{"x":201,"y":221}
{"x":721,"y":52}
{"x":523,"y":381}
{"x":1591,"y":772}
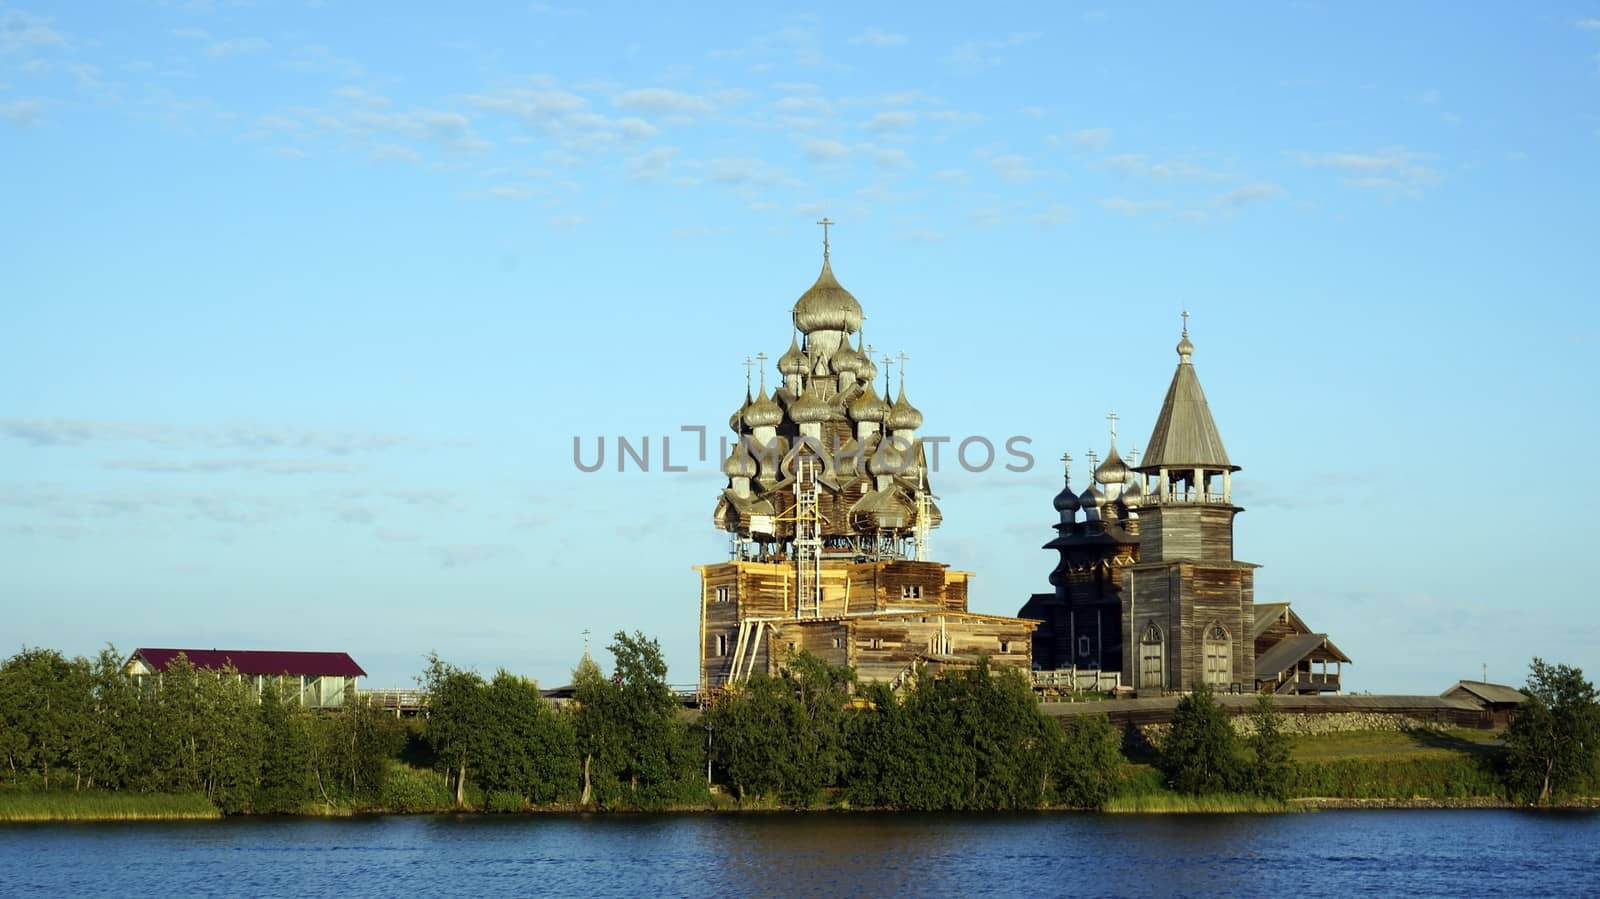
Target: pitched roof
{"x":1290,"y":651}
{"x":1488,"y":692}
{"x":257,"y":661}
{"x":1266,"y":614}
{"x":1185,"y":435}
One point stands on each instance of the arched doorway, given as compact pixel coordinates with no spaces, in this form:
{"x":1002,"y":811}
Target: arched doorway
{"x":1152,"y":658}
{"x":1218,"y":654}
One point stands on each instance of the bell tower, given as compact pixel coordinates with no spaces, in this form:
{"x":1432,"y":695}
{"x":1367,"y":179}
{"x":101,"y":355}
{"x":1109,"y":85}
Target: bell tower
{"x":1189,"y":610}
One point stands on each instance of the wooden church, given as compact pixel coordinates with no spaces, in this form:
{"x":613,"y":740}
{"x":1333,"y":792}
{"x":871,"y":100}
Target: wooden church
{"x":1147,"y":584}
{"x":828,"y":509}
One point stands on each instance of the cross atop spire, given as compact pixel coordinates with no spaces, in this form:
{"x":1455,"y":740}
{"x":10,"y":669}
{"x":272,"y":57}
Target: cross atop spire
{"x":585,"y":641}
{"x":825,"y":223}
{"x":1066,"y":464}
{"x":1112,"y":417}
{"x":903,"y":358}
{"x":748,"y":364}
{"x":1186,"y":322}
{"x":762,"y":358}
{"x":886,"y":363}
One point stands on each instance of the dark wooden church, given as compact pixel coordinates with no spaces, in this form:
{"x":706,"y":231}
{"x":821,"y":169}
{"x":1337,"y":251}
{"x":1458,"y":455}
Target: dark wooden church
{"x":1147,"y":584}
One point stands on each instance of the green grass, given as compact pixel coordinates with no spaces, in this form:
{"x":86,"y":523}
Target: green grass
{"x":98,"y":806}
{"x":1389,"y":744}
{"x":1167,"y":802}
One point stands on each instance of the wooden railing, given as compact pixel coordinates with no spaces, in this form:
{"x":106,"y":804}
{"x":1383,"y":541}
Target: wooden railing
{"x":1077,"y":679}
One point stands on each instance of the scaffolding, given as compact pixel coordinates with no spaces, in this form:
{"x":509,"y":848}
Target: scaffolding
{"x":807,"y":540}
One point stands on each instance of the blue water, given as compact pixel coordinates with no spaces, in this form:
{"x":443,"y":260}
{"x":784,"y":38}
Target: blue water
{"x":1385,"y":853}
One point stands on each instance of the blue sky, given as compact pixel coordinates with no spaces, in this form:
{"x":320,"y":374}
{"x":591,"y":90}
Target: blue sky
{"x":303,"y":304}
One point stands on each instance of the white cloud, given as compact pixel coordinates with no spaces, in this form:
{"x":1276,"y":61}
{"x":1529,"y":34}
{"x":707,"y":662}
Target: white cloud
{"x":1052,"y":215}
{"x":891,"y":120}
{"x":50,"y":432}
{"x":222,"y":48}
{"x":1588,"y":24}
{"x":877,"y":37}
{"x":1131,"y":208}
{"x":652,"y":165}
{"x":1389,"y":170}
{"x":1249,"y":194}
{"x":21,"y":31}
{"x":1091,"y":139}
{"x":21,"y":113}
{"x":976,"y":55}
{"x":661,"y":101}
{"x":826,"y":151}
{"x":1013,"y":167}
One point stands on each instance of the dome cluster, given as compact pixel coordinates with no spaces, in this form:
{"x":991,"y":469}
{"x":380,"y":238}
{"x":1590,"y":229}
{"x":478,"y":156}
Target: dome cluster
{"x":873,"y":465}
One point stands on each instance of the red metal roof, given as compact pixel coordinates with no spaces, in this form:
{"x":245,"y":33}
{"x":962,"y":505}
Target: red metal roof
{"x":259,"y":661}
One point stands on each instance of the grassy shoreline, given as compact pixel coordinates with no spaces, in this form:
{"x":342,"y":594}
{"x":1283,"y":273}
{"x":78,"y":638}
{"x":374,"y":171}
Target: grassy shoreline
{"x":28,"y":807}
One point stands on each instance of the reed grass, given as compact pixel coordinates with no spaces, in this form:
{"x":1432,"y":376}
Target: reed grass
{"x":1211,"y":804}
{"x":100,"y":806}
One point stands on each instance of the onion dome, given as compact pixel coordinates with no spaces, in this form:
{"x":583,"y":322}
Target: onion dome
{"x":763,"y":413}
{"x":868,"y":407}
{"x":736,"y":423}
{"x":1185,"y":348}
{"x":793,"y":362}
{"x":868,"y":371}
{"x":1093,"y":497}
{"x":827,"y":306}
{"x":847,"y":460}
{"x":1133,"y":494}
{"x":903,"y":416}
{"x":1113,"y":470}
{"x":888,"y":460}
{"x":740,"y":465}
{"x":1066,"y":500}
{"x":811,"y":407}
{"x":848,"y":359}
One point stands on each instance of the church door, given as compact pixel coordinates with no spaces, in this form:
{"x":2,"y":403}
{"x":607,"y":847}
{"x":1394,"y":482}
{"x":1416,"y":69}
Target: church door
{"x":1218,"y":657}
{"x":1152,"y":658}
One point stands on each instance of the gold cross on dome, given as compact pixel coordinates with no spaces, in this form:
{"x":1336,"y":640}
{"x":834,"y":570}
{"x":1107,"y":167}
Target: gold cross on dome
{"x":826,"y":223}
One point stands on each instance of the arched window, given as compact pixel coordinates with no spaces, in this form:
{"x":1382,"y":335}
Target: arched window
{"x":1218,"y":653}
{"x":1152,"y":658}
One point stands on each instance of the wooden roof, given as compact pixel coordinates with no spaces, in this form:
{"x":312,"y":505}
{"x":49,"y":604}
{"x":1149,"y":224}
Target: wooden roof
{"x":1185,"y":435}
{"x":1490,"y":693}
{"x":1289,"y":652}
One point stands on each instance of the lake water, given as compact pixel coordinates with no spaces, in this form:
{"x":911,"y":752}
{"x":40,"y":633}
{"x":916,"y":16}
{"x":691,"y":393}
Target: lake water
{"x":1412,"y":853}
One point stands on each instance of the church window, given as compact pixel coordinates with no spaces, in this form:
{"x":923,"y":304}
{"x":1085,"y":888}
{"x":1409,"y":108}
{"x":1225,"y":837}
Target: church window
{"x":910,"y":591}
{"x":1005,"y":645}
{"x":1083,"y":645}
{"x":1218,"y":654}
{"x":723,"y":593}
{"x":722,"y":645}
{"x":876,"y":643}
{"x":836,"y":642}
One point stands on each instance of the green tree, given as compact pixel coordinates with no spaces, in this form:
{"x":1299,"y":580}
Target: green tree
{"x":351,"y":752}
{"x":966,"y":740}
{"x":1270,"y":767}
{"x":288,"y":772}
{"x":1090,"y":762}
{"x":531,"y":750}
{"x":598,"y":729}
{"x":459,"y":718}
{"x":637,"y":750}
{"x":1198,"y":755}
{"x":1553,"y":743}
{"x":783,"y":736}
{"x":45,"y":709}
